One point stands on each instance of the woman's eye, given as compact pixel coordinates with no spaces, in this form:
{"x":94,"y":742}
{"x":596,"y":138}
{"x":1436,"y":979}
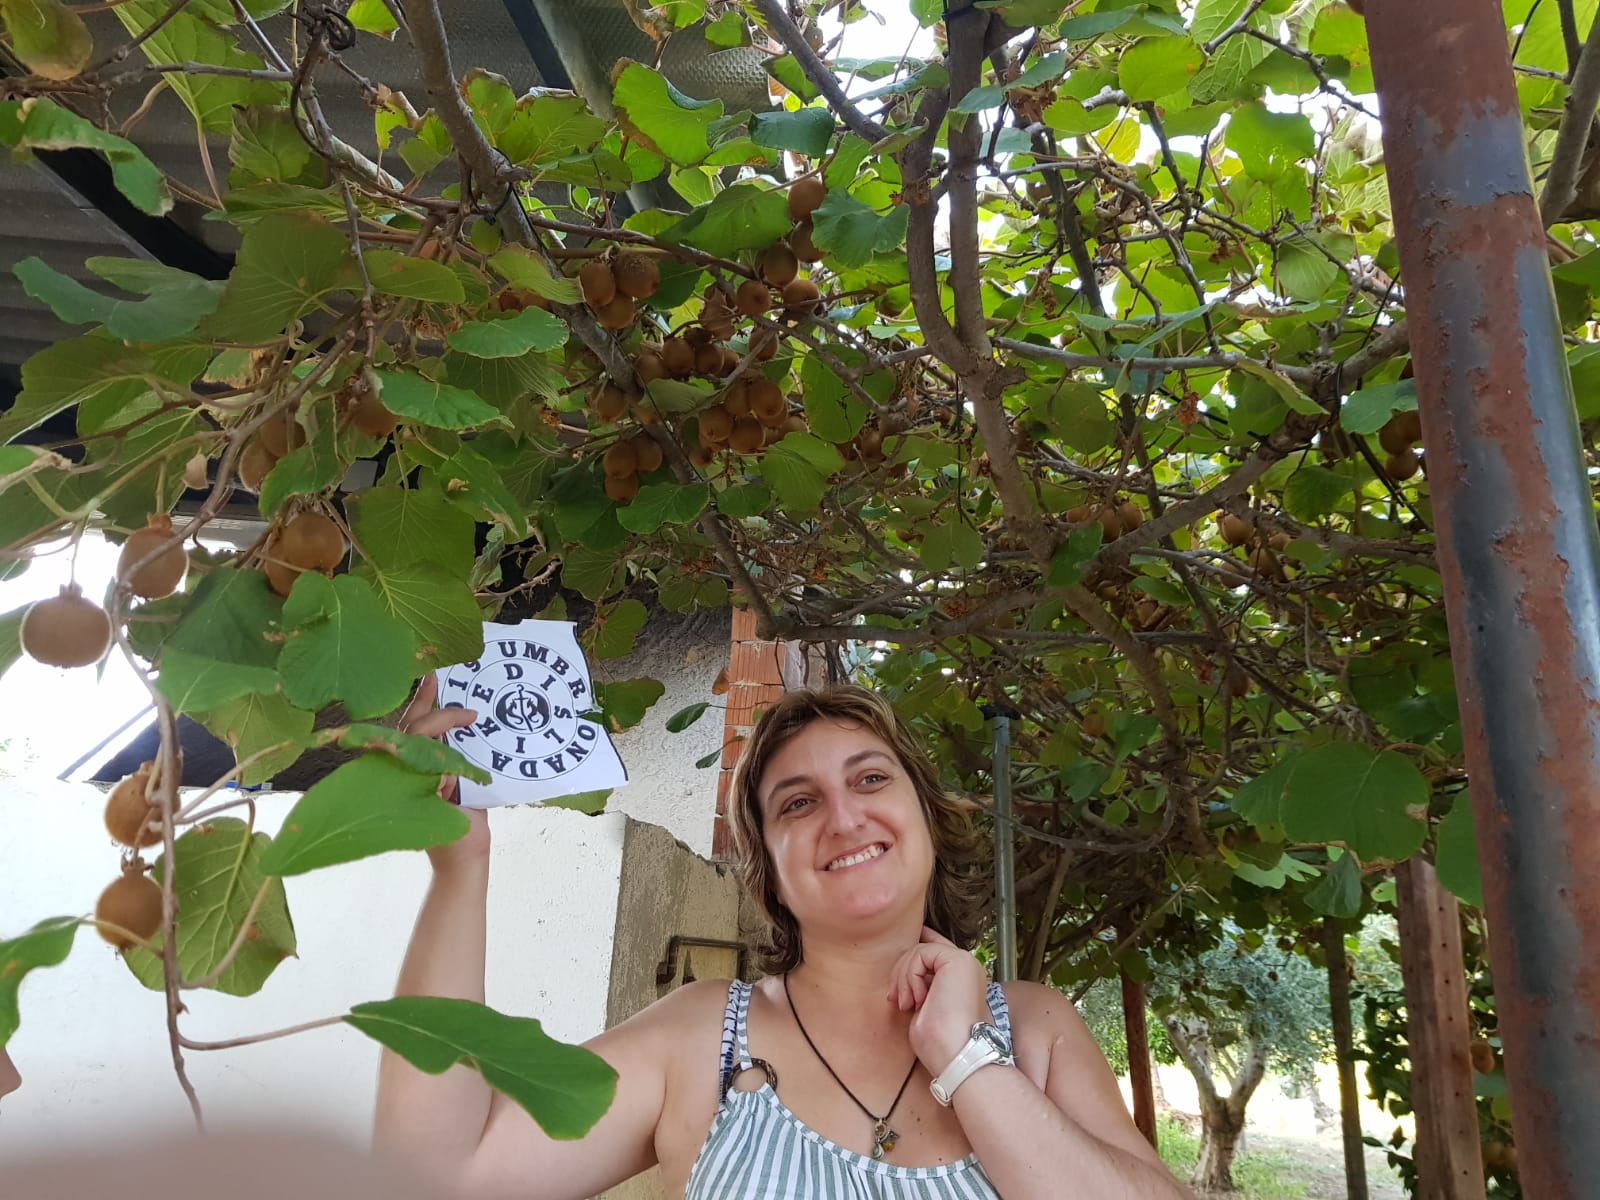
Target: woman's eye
{"x":794,"y":803}
{"x":874,"y":776}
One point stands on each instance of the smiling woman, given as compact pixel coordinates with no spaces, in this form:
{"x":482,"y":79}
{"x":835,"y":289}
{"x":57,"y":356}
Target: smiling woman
{"x":906,"y":1075}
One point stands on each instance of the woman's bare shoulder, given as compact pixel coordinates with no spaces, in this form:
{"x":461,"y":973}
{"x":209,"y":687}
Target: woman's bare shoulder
{"x":684,"y":1011}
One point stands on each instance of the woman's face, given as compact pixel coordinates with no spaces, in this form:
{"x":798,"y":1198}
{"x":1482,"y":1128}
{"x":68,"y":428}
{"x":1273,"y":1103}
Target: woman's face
{"x":850,"y":847}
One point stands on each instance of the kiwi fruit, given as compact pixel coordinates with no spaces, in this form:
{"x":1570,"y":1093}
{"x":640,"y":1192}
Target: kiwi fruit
{"x":280,"y":576}
{"x":645,"y":412}
{"x":368,"y":413}
{"x":1393,"y":437}
{"x":765,"y":344}
{"x":622,"y":490}
{"x":197,"y":472}
{"x":637,"y":275}
{"x":869,"y":444}
{"x":716,"y":315}
{"x":1280,"y":541}
{"x":1410,"y":425}
{"x":731,"y":359}
{"x":697,"y":336}
{"x":737,"y":398}
{"x":1402,"y":465}
{"x":766,"y":400}
{"x":132,"y":903}
{"x":677,"y":356}
{"x":1482,"y":1055}
{"x":281,"y":434}
{"x":312,"y":542}
{"x":620,"y":461}
{"x":805,"y":197}
{"x":753,"y":298}
{"x":708,"y":359}
{"x":1110,"y":523}
{"x":716,"y":424}
{"x":616,"y":313}
{"x":699,"y":457}
{"x":800,"y":297}
{"x":1236,"y":531}
{"x":648,"y":365}
{"x":598,"y":284}
{"x":794,"y":423}
{"x":66,"y":630}
{"x":800,"y":241}
{"x":779,"y":264}
{"x":608,"y":401}
{"x":1265,"y":563}
{"x":129,"y":811}
{"x":746,"y":436}
{"x":254,"y":464}
{"x":646,"y":453}
{"x":1093,"y":724}
{"x":1077,"y":514}
{"x":1131,"y":515}
{"x":152,"y":563}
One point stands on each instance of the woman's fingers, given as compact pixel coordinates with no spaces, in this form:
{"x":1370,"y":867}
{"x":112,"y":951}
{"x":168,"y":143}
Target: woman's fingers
{"x":441,"y":721}
{"x":421,"y":700}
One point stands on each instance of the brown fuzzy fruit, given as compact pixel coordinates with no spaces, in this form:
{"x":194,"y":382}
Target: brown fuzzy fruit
{"x":645,"y":412}
{"x":254,"y":464}
{"x":281,"y":434}
{"x":869,"y":444}
{"x":779,"y":264}
{"x":1094,"y":724}
{"x":746,"y":436}
{"x":731,"y":359}
{"x":280,"y":576}
{"x":1236,"y":531}
{"x":753,"y":298}
{"x":620,"y":461}
{"x":800,"y":241}
{"x":794,"y":423}
{"x":609,"y":402}
{"x":800,"y":297}
{"x":1482,"y":1054}
{"x":152,"y":563}
{"x":312,"y":542}
{"x":129,"y":812}
{"x":598,"y":285}
{"x":1077,"y":514}
{"x":716,"y":425}
{"x":370,"y":416}
{"x":1280,"y":541}
{"x":1402,"y":466}
{"x":717,"y":315}
{"x":132,"y":905}
{"x":1265,"y":563}
{"x":1110,"y":523}
{"x":1410,"y":425}
{"x":805,"y":197}
{"x":677,"y":356}
{"x":766,"y":400}
{"x":708,"y":359}
{"x":765,"y":344}
{"x":617,"y":313}
{"x":1131,"y":514}
{"x":637,"y":275}
{"x":737,"y":398}
{"x":648,"y":365}
{"x":699,"y":457}
{"x":66,"y":630}
{"x":1393,"y":436}
{"x":197,"y":472}
{"x":622,"y":490}
{"x":647,"y":453}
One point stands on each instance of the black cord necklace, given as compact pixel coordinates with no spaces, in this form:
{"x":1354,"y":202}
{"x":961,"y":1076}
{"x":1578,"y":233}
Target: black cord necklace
{"x":883,"y":1137}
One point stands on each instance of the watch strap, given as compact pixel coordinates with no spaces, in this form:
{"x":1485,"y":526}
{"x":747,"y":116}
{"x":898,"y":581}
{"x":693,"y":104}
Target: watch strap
{"x":986,"y":1046}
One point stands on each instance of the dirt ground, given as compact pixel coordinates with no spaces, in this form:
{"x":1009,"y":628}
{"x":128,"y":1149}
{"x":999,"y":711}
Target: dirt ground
{"x":1323,"y":1157}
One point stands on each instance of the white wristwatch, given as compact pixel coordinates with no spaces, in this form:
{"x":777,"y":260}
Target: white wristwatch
{"x":986,"y":1046}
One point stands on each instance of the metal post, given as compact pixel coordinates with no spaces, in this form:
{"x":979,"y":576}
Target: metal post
{"x":1518,"y":551}
{"x":1005,"y":859}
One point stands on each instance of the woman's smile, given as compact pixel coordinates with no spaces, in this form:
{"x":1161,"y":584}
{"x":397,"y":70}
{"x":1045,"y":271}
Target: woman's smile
{"x":857,"y":858}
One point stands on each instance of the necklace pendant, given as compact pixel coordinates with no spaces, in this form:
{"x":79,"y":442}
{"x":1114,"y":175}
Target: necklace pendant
{"x":883,"y":1138}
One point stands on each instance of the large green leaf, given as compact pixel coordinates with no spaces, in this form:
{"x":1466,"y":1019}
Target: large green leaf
{"x":661,"y":117}
{"x":260,"y":723}
{"x":659,"y":504}
{"x":1155,"y":67}
{"x":522,"y":270}
{"x":344,"y":645}
{"x":51,"y":40}
{"x":1369,"y":409}
{"x":425,"y":756}
{"x":798,"y":468}
{"x":745,"y":216}
{"x":851,"y":231}
{"x":1338,"y":892}
{"x":403,"y":526}
{"x":39,"y":124}
{"x":548,"y":127}
{"x":196,"y":36}
{"x":566,"y":1089}
{"x":1456,"y":852}
{"x":98,"y":368}
{"x":438,"y":607}
{"x":625,"y":701}
{"x":407,"y":394}
{"x":370,"y":806}
{"x":834,"y":412}
{"x":528,"y":331}
{"x":617,"y":628}
{"x":225,"y":646}
{"x":1370,"y":801}
{"x":288,"y":264}
{"x":395,"y":273}
{"x":1270,"y":144}
{"x":217,"y":879}
{"x":807,"y":131}
{"x":47,"y":944}
{"x":475,"y":481}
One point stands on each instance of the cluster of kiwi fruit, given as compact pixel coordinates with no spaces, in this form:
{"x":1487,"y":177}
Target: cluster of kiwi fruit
{"x":129,"y":910}
{"x":1115,"y":518}
{"x":308,"y":541}
{"x":266,"y":446}
{"x":612,"y":286}
{"x":1236,"y":531}
{"x":1399,"y":437}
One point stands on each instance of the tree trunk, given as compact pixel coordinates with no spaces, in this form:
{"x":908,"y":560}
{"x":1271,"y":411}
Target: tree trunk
{"x":1221,"y":1117}
{"x":1355,"y":1153}
{"x":1219,"y":1143}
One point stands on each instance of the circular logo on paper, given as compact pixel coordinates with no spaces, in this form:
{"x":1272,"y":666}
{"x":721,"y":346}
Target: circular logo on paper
{"x":528,"y":699}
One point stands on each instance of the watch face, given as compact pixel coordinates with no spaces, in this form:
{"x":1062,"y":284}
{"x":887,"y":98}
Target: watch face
{"x":993,"y":1036}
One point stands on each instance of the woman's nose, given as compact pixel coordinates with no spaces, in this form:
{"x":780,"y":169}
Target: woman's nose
{"x":844,"y":808}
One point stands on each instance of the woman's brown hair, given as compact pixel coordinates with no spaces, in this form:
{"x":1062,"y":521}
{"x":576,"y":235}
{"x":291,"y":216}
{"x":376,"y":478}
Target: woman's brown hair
{"x":957,"y":890}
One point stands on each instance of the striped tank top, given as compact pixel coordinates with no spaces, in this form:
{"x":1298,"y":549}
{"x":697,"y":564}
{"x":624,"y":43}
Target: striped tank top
{"x":757,"y":1148}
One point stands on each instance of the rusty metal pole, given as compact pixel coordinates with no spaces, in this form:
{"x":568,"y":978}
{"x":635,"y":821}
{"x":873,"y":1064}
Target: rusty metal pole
{"x":1518,"y":551}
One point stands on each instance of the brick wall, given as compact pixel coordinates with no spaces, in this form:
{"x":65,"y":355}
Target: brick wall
{"x":758,"y":672}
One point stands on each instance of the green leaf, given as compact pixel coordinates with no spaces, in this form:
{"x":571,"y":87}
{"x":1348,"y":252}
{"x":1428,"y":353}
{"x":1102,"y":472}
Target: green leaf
{"x":370,"y":806}
{"x":1155,"y":67}
{"x":304,"y":471}
{"x":529,"y":331}
{"x":788,"y":72}
{"x":1455,"y":856}
{"x":344,"y":645}
{"x":259,"y":721}
{"x":371,"y":16}
{"x":396,"y":273}
{"x":40,"y":124}
{"x":11,"y":637}
{"x":798,"y":468}
{"x":659,"y":504}
{"x":217,"y":879}
{"x":196,"y":36}
{"x":475,"y":481}
{"x":438,"y":607}
{"x":1369,"y":801}
{"x":411,"y":526}
{"x":590,"y":573}
{"x":833,"y":411}
{"x":852,"y":231}
{"x":1276,"y":876}
{"x":47,"y":944}
{"x":1303,"y":272}
{"x":685,"y":717}
{"x":1338,"y":893}
{"x":625,"y":701}
{"x":565,"y":1089}
{"x":522,"y":270}
{"x":955,"y":543}
{"x":1074,"y":555}
{"x":1368,"y":410}
{"x":425,"y":756}
{"x":287,"y":265}
{"x":807,"y":131}
{"x":1286,"y":389}
{"x":617,"y":629}
{"x":1313,"y":492}
{"x":225,"y":646}
{"x":744,"y":500}
{"x":407,"y":394}
{"x":745,"y":216}
{"x":661,"y":117}
{"x":266,"y":145}
{"x":1270,"y":144}
{"x":549,"y":127}
{"x":51,"y":40}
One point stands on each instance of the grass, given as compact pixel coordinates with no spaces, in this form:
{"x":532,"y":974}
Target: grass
{"x":1259,"y":1176}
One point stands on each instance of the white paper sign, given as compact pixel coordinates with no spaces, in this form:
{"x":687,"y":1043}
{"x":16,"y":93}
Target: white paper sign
{"x":529,"y":690}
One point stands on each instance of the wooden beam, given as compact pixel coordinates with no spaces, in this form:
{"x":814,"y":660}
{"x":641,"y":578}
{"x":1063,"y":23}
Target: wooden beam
{"x":1449,"y":1162}
{"x":1140,"y":1076}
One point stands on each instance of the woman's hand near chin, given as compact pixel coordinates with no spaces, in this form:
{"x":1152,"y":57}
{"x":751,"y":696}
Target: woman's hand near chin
{"x":947,"y":989}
